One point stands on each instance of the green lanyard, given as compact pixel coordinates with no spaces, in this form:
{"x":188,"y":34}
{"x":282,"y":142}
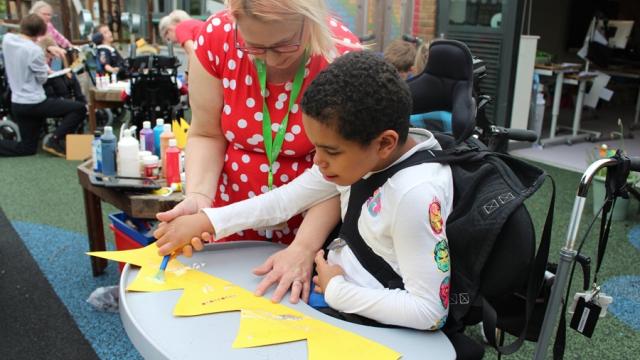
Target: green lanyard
{"x":272,"y":145}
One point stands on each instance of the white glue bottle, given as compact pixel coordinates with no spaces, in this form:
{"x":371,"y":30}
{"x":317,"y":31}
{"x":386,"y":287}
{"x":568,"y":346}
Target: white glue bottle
{"x":128,"y":160}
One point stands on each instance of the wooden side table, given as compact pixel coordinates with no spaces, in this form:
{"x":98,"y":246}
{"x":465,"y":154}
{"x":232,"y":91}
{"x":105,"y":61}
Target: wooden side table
{"x":102,"y":99}
{"x":144,"y":206}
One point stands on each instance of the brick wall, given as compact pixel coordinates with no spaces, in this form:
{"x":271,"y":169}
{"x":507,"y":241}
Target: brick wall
{"x":424,"y":22}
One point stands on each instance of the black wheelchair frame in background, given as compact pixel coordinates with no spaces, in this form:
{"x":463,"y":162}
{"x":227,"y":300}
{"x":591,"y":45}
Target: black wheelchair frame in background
{"x":154,"y":88}
{"x":9,"y":130}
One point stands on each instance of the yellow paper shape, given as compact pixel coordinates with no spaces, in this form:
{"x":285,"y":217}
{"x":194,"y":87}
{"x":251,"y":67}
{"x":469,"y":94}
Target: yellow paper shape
{"x":212,"y":296}
{"x":261,"y":322}
{"x":147,"y":255}
{"x":330,"y":342}
{"x":180,"y":129}
{"x":272,"y":325}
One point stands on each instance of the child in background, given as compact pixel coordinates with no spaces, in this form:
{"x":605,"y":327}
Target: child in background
{"x":402,"y":55}
{"x":356,"y":113}
{"x":109,"y":58}
{"x":422,"y":54}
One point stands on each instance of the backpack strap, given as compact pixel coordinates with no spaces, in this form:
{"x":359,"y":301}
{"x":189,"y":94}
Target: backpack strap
{"x":364,"y":188}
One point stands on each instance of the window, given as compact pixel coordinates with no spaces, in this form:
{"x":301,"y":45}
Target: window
{"x":476,"y":12}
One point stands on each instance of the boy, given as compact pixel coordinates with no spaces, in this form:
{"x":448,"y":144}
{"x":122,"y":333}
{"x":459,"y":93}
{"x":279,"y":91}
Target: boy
{"x":402,"y":55}
{"x":356,"y":113}
{"x":108,"y":57}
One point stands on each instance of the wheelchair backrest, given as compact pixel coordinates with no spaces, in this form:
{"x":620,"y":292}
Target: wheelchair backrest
{"x":446,"y":84}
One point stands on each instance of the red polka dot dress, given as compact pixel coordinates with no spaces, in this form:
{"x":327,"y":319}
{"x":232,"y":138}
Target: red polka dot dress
{"x":246,"y":167}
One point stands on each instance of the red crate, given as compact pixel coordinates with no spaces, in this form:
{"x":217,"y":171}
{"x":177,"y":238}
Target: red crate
{"x":123,"y":242}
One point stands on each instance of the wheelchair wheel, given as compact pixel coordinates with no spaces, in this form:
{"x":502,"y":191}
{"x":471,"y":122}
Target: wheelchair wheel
{"x":7,"y":132}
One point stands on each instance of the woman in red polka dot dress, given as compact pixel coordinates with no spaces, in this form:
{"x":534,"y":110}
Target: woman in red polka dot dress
{"x":255,"y":60}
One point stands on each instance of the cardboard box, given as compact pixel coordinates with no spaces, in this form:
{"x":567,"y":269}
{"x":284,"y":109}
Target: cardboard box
{"x":79,"y":146}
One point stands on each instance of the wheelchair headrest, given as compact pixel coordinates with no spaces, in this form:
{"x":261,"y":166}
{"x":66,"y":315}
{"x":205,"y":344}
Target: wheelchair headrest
{"x":97,"y":38}
{"x":446,"y":84}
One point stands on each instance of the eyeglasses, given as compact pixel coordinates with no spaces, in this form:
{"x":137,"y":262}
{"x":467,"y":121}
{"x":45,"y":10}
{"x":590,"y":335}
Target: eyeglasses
{"x":261,"y":50}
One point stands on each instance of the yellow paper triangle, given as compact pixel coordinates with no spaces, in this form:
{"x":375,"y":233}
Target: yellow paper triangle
{"x":180,"y":128}
{"x":272,"y":325}
{"x":330,"y":342}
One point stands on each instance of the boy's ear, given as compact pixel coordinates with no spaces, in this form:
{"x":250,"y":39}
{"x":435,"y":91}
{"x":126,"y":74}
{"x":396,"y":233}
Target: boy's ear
{"x":387,"y":143}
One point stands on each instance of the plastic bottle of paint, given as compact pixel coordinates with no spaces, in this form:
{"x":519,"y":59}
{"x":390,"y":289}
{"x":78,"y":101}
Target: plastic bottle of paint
{"x":128,"y":161}
{"x":108,"y":147}
{"x":96,"y":152}
{"x":151,"y":167}
{"x":164,"y":144}
{"x":172,"y":162}
{"x":157,"y":131}
{"x":146,"y":137}
{"x":141,"y":155}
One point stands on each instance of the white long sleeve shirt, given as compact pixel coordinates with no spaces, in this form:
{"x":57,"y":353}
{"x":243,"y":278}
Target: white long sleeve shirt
{"x":403,"y":222}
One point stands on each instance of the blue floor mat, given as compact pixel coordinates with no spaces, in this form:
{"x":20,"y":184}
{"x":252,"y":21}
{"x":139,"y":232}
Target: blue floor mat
{"x":626,"y":298}
{"x":61,"y":257}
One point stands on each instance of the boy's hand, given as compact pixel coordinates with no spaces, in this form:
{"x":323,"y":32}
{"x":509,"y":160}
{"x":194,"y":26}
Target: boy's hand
{"x":325,"y":272}
{"x":182,"y":233}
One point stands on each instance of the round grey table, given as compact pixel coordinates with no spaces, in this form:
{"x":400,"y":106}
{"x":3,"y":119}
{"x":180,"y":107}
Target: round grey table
{"x":157,"y":334}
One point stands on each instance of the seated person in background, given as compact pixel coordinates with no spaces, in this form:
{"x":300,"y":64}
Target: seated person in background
{"x":109,"y":59}
{"x":422,"y":54}
{"x":27,"y":71}
{"x":45,"y":11}
{"x":179,"y":28}
{"x":356,"y":113}
{"x":402,"y":55}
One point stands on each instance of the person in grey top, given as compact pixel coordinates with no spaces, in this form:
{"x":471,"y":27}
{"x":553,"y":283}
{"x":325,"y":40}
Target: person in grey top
{"x":27,"y":71}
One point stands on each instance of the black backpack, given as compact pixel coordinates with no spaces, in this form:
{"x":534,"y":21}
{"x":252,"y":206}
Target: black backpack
{"x":494,"y":275}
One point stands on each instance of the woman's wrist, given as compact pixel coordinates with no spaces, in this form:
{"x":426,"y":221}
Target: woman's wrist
{"x":199,"y":194}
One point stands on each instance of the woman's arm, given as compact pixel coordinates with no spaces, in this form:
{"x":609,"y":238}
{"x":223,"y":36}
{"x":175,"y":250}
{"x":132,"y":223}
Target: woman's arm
{"x":39,"y":67}
{"x":57,"y":37}
{"x":206,"y":143}
{"x":188,"y":48}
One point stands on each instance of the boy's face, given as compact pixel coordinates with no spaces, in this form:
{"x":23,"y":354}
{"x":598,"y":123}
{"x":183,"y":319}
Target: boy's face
{"x":340,"y":161}
{"x":107,"y":35}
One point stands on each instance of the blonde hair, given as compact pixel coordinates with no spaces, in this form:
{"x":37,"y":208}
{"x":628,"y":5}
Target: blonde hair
{"x":321,"y":42}
{"x":39,"y":5}
{"x":174,"y":18}
{"x":422,"y":54}
{"x":401,"y":54}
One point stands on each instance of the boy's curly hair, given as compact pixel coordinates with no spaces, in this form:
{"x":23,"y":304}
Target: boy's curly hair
{"x":360,"y":95}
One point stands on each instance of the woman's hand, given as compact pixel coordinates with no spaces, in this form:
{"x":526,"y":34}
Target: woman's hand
{"x":179,"y":234}
{"x":325,"y":272}
{"x":290,"y":268}
{"x":193,"y":203}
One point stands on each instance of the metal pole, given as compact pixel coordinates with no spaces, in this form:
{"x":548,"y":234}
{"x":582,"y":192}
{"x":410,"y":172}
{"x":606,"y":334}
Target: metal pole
{"x":407,"y":16}
{"x":362,"y":18}
{"x":567,"y":256}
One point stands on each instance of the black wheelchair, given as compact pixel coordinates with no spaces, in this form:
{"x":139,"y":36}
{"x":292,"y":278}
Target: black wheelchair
{"x":155,"y":89}
{"x":9,"y":130}
{"x":450,"y":83}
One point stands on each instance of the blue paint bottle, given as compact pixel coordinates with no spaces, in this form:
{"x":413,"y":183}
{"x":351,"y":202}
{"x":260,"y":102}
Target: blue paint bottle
{"x":96,"y":152}
{"x":157,"y":131}
{"x":108,"y":147}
